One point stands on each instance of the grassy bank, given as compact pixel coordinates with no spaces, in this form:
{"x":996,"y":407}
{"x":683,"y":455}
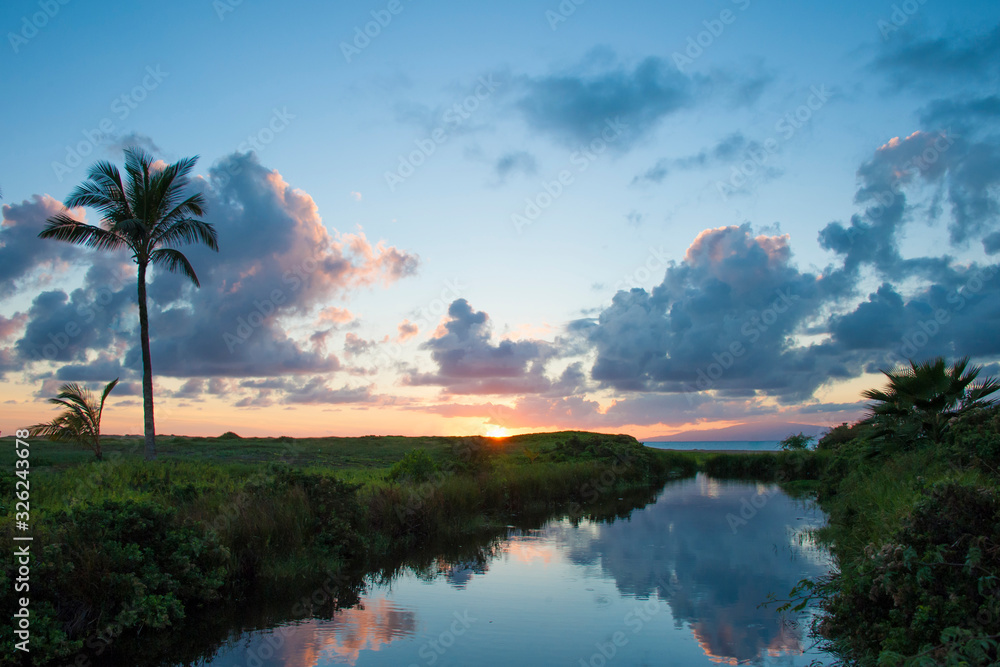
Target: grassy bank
{"x":123,"y":546}
{"x":915,"y":530}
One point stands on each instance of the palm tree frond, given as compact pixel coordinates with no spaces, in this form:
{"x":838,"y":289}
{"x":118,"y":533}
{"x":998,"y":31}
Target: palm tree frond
{"x":188,"y":231}
{"x":62,"y":227}
{"x":174,"y":261}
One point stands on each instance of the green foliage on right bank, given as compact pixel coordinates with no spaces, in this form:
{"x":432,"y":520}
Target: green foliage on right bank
{"x":913,"y":498}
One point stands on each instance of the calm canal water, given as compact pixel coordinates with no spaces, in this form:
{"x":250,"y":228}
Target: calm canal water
{"x":677,"y":582}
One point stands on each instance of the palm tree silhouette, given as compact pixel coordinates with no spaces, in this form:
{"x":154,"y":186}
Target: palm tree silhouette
{"x":928,"y":396}
{"x":80,"y":421}
{"x":148,"y":215}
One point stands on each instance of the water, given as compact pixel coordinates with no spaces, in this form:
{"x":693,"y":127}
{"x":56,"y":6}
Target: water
{"x":677,"y":582}
{"x":721,"y":445}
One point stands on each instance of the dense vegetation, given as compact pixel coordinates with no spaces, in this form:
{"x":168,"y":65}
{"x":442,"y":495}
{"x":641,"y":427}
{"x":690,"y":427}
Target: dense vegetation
{"x":914,"y":524}
{"x":125,"y":546}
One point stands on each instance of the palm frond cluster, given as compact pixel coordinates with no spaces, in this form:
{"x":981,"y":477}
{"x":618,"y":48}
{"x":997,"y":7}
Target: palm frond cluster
{"x":923,"y":399}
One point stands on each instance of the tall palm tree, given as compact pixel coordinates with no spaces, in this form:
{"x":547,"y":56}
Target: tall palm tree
{"x":928,"y":396}
{"x":80,"y":421}
{"x":147,"y":214}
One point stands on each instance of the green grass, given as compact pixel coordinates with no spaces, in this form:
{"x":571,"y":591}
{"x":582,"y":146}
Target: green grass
{"x":265,"y":510}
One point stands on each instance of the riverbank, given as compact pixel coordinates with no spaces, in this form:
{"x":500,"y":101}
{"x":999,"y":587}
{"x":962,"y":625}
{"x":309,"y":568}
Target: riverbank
{"x":914,"y":527}
{"x":122,"y":547}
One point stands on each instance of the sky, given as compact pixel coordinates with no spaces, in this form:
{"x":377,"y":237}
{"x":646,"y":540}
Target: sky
{"x":456,"y":218}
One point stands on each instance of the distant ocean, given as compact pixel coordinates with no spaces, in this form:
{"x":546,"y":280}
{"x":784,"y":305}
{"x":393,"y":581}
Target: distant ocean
{"x":756,"y":445}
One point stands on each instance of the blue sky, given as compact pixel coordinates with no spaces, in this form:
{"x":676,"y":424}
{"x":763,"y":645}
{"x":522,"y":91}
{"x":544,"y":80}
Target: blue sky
{"x":550,"y":244}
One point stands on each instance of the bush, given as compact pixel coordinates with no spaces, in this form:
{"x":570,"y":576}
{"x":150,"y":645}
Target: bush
{"x":229,"y":435}
{"x":976,"y":437}
{"x":798,"y":442}
{"x":930,"y":588}
{"x":416,"y":466}
{"x":117,"y":566}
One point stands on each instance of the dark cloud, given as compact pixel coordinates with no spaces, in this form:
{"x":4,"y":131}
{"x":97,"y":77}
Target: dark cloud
{"x":722,"y":319}
{"x":468,"y":361}
{"x":513,"y":163}
{"x":22,"y":253}
{"x":276,"y":259}
{"x":575,"y":107}
{"x":104,"y":369}
{"x":354,"y":345}
{"x":731,"y":148}
{"x":965,"y":171}
{"x":315,"y":391}
{"x":64,"y":327}
{"x":118,"y":144}
{"x":911,"y":61}
{"x":193,"y":388}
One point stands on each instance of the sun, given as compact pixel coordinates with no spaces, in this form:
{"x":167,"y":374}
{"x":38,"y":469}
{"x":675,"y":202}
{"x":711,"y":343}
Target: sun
{"x":496,"y":432}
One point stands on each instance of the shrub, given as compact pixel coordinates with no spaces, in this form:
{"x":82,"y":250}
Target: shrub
{"x":416,"y":465}
{"x":117,"y":566}
{"x":797,"y":442}
{"x":934,"y":583}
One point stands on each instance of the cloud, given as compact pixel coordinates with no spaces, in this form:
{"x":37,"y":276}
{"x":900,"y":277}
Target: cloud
{"x":468,"y":362}
{"x":12,"y":325}
{"x":355,"y":345}
{"x":912,"y":62}
{"x":334,"y":315}
{"x":575,"y":106}
{"x":407,"y":330}
{"x":513,"y":163}
{"x":722,"y":319}
{"x":315,"y":391}
{"x":193,"y":388}
{"x":118,"y":144}
{"x":22,"y":253}
{"x":276,"y":260}
{"x":729,"y":149}
{"x":964,"y":170}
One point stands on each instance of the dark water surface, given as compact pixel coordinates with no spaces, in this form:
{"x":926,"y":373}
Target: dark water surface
{"x":677,"y":582}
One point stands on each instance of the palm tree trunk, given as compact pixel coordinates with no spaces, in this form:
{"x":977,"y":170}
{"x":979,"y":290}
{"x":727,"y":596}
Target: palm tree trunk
{"x":147,"y":368}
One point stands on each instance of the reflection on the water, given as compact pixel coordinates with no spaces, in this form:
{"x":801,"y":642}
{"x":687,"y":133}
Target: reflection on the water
{"x":676,"y":582}
{"x":713,"y":575}
{"x":371,"y":625}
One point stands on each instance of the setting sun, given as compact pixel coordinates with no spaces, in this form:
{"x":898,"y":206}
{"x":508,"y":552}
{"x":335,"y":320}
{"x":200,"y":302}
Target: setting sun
{"x":496,"y":432}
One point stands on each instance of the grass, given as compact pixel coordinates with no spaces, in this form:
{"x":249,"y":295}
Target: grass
{"x":259,"y":511}
{"x":914,"y":528}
